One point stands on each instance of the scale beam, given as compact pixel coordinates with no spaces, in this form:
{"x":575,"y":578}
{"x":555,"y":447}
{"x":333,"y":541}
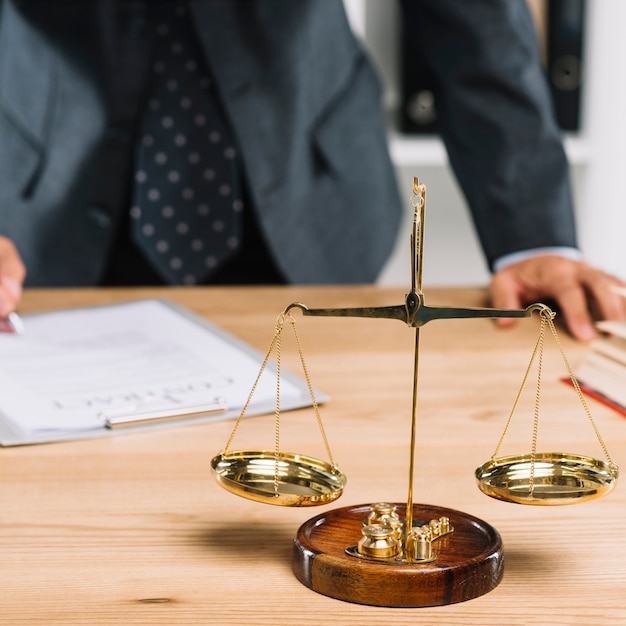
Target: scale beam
{"x":414,"y":313}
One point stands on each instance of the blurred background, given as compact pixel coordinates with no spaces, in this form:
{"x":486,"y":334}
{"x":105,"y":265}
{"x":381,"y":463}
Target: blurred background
{"x":582,"y":45}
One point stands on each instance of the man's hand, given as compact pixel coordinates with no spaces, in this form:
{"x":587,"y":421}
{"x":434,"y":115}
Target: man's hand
{"x":580,"y":291}
{"x":12,"y":274}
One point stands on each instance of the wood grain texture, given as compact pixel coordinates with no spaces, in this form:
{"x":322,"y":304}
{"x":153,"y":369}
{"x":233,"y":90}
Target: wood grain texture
{"x":133,"y":529}
{"x":469,"y":561}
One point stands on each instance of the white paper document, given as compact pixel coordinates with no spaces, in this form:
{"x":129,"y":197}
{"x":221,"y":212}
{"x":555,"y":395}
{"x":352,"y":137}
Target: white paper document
{"x":73,"y":369}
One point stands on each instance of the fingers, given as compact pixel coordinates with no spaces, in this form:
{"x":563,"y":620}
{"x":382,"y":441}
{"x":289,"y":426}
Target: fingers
{"x":574,"y":306}
{"x":579,"y":290}
{"x":504,"y":294}
{"x":12,"y":274}
{"x":608,"y":295}
{"x":583,"y":292}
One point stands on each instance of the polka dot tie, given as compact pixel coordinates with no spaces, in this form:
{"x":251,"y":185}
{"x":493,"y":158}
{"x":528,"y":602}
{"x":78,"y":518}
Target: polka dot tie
{"x":186,"y":212}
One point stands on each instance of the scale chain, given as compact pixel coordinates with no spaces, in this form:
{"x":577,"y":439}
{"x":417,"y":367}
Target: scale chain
{"x":276,"y":346}
{"x":547,"y":317}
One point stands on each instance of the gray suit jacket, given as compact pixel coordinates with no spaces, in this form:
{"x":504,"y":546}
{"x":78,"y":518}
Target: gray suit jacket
{"x":305,"y":107}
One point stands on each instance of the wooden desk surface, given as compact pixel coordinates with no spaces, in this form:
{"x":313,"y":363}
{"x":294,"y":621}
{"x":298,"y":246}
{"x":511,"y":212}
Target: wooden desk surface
{"x":133,"y":529}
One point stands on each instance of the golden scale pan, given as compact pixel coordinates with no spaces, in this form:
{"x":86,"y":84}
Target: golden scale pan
{"x":404,"y":547}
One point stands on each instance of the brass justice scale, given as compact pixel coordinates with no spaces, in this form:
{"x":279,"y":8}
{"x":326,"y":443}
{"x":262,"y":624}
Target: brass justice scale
{"x":383,"y":554}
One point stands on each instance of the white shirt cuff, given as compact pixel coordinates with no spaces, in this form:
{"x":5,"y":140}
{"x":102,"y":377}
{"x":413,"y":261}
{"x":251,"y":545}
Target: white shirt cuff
{"x":515,"y":257}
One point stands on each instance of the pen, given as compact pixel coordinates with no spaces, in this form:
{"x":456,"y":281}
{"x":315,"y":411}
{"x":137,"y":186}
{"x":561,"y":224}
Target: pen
{"x":135,"y":416}
{"x":12,"y":324}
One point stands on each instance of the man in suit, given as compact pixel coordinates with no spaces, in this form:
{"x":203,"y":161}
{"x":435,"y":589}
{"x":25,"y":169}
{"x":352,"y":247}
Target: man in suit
{"x":311,"y":178}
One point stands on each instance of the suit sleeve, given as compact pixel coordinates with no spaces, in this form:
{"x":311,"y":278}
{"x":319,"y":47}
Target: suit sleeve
{"x":496,"y":119}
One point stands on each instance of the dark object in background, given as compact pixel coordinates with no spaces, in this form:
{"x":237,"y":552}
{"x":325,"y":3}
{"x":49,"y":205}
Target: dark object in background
{"x":564,"y":59}
{"x":563,"y":30}
{"x":418,"y":114}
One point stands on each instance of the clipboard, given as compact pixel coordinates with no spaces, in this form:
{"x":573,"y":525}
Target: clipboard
{"x":139,"y":365}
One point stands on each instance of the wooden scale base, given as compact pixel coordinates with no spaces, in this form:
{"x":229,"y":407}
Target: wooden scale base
{"x":468,"y":563}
